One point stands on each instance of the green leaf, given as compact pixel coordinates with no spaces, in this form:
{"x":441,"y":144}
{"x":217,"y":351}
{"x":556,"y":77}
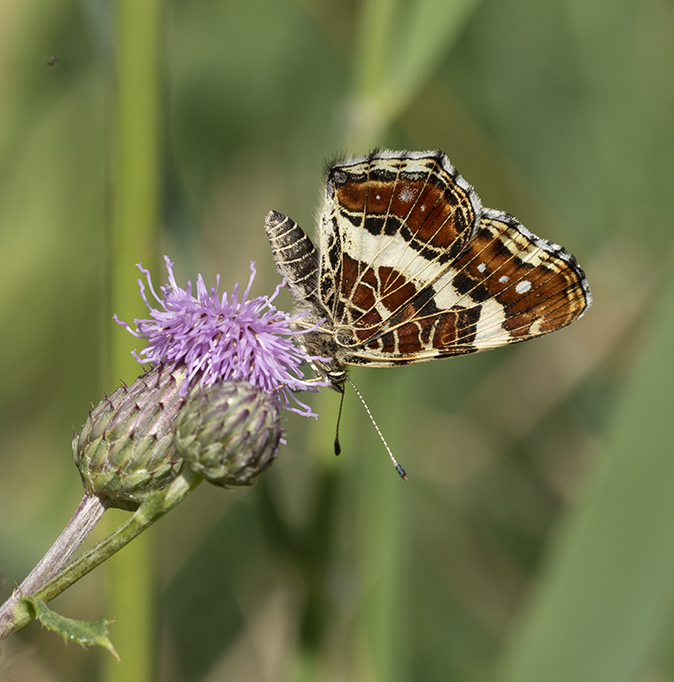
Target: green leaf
{"x":399,"y":51}
{"x":84,"y":632}
{"x":429,"y":34}
{"x":609,"y":586}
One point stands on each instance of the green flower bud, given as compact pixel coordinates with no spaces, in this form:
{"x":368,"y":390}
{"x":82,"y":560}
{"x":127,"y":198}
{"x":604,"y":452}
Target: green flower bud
{"x":229,"y":432}
{"x":125,"y":449}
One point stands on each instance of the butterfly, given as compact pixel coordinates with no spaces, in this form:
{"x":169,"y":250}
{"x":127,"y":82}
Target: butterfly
{"x":409,"y":267}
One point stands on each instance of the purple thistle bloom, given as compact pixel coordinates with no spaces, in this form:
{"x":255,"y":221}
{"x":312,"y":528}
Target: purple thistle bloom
{"x":220,"y":338}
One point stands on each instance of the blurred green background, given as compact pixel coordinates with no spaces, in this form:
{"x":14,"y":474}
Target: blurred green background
{"x":535,"y":537}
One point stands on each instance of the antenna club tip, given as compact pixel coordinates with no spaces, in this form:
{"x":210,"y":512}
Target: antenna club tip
{"x":399,"y":469}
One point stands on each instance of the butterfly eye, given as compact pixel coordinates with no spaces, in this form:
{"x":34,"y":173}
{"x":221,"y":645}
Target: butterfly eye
{"x":345,"y":337}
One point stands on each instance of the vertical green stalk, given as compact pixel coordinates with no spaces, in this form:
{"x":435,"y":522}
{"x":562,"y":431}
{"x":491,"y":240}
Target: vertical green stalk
{"x":367,"y":123}
{"x":400,"y":45}
{"x":133,"y":239}
{"x":377,"y":538}
{"x":380,"y":538}
{"x":374,"y":45}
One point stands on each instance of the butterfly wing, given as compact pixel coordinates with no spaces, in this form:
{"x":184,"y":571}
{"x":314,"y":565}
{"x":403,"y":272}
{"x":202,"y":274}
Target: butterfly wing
{"x":385,"y":215}
{"x":412,"y":268}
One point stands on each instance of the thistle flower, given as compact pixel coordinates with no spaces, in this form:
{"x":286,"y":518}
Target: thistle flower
{"x":219,"y":337}
{"x":208,"y":408}
{"x":127,"y":449}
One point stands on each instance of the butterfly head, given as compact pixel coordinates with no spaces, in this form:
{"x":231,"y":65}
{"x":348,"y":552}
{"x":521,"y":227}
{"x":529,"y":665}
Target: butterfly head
{"x":322,"y":347}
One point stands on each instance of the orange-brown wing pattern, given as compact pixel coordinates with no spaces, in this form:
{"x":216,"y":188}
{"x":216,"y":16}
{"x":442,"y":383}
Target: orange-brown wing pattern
{"x":415,"y":268}
{"x":507,"y":286}
{"x":388,"y":217}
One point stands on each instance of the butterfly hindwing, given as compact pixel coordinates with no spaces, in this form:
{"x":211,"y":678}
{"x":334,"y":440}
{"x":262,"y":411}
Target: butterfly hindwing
{"x":505,"y":287}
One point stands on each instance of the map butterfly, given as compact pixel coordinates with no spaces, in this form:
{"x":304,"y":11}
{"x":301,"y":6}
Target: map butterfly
{"x":411,"y":267}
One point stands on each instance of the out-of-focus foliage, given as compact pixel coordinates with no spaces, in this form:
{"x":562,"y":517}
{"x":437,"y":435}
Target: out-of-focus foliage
{"x":533,"y":539}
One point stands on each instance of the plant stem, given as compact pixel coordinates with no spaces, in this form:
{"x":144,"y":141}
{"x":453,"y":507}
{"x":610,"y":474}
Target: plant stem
{"x":153,"y":508}
{"x":367,"y":122}
{"x":134,"y":236}
{"x":86,"y":516}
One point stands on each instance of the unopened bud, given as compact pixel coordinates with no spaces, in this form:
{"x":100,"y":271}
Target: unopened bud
{"x":229,"y":432}
{"x":125,"y":449}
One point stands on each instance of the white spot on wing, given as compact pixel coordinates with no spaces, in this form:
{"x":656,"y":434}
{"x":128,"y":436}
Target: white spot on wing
{"x":523,"y":286}
{"x":481,"y":267}
{"x":503,"y":279}
{"x":407,"y":194}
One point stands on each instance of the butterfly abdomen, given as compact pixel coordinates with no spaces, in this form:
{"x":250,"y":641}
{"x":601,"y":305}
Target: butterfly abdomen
{"x":295,"y":256}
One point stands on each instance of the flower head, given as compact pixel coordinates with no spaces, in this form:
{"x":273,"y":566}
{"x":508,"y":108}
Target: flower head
{"x":219,"y":337}
{"x":125,"y":448}
{"x":229,"y":432}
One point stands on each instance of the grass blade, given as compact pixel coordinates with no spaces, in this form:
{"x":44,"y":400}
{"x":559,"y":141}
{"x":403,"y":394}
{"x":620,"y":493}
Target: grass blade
{"x":610,"y":580}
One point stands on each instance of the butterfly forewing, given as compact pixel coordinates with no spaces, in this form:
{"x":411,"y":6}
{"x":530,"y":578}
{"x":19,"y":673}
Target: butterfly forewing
{"x":389,"y":225}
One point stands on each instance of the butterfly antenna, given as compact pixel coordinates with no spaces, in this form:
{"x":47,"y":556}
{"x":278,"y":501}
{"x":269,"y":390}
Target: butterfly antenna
{"x":338,"y":447}
{"x":396,"y":464}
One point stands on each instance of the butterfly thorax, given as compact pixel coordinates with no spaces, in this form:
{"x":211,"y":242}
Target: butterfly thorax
{"x":322,"y":345}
